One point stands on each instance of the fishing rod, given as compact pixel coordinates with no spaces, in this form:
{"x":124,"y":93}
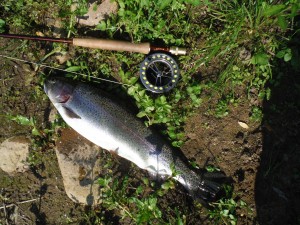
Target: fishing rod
{"x":159,"y":72}
{"x":144,"y":48}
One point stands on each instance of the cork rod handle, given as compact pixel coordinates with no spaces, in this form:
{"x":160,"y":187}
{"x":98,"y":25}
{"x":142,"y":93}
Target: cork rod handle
{"x":112,"y":45}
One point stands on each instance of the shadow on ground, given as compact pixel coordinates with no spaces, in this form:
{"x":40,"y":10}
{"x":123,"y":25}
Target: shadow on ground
{"x":277,"y":188}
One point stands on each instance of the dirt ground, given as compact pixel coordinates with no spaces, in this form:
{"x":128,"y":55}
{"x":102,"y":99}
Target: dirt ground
{"x":263,"y":161}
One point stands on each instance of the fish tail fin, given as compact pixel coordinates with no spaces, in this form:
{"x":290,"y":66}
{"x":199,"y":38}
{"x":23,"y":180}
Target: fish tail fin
{"x":208,"y":187}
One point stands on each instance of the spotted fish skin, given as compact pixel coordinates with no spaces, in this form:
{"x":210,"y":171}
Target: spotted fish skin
{"x":105,"y":122}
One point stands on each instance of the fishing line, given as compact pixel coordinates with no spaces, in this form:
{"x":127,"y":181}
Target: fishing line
{"x":62,"y":70}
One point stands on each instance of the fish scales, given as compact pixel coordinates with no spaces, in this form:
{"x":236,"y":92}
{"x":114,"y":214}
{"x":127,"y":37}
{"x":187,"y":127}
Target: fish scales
{"x":108,"y":124}
{"x":123,"y":127}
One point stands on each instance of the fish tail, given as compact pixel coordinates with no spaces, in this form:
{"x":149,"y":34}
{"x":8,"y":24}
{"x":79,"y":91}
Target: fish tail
{"x":208,"y":187}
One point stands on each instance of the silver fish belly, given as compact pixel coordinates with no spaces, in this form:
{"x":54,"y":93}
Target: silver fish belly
{"x":105,"y":122}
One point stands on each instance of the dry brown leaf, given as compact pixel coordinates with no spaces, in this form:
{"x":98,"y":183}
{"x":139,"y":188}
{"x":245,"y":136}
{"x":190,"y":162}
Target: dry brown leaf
{"x":40,"y":34}
{"x":243,"y":125}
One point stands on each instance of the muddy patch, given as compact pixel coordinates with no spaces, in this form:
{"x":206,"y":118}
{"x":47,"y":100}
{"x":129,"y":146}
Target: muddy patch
{"x":227,"y":145}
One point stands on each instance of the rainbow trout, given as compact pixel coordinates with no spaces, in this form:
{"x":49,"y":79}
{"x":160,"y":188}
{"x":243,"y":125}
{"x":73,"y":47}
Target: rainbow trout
{"x":105,"y":122}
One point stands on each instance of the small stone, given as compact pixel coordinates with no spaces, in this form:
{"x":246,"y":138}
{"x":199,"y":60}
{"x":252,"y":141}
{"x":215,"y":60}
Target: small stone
{"x":14,"y":152}
{"x":192,"y":136}
{"x":243,"y":125}
{"x":52,"y":115}
{"x":245,"y":54}
{"x":80,"y":167}
{"x":97,"y":13}
{"x":62,"y":58}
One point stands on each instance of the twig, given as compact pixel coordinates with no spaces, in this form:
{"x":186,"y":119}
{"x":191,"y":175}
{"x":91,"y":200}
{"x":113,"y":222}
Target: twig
{"x":17,"y":203}
{"x":5,"y":214}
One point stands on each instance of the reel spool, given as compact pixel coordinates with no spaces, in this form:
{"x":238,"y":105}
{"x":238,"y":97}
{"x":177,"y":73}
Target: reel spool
{"x":159,"y":72}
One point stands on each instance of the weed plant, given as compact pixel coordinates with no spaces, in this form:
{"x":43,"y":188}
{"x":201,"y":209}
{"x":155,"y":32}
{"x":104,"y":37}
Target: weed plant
{"x":138,"y":204}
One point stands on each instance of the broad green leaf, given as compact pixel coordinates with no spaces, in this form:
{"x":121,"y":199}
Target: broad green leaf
{"x":141,"y":93}
{"x":280,"y":54}
{"x":294,"y":10}
{"x":141,"y":114}
{"x":131,"y":90}
{"x":242,"y":203}
{"x":163,"y":99}
{"x":2,"y":22}
{"x":180,"y":221}
{"x":177,"y":96}
{"x":69,"y":63}
{"x":172,"y":135}
{"x":103,"y":182}
{"x":121,"y":4}
{"x":232,"y":217}
{"x":260,"y":59}
{"x":132,"y":80}
{"x":272,"y":10}
{"x":225,"y":212}
{"x":2,"y":25}
{"x":139,"y":190}
{"x":232,"y":201}
{"x":268,"y":93}
{"x":162,"y":4}
{"x":233,"y":222}
{"x":288,"y":56}
{"x":73,"y":69}
{"x":101,"y":26}
{"x":149,"y":109}
{"x":35,"y":132}
{"x":145,"y":181}
{"x":165,"y":186}
{"x":22,"y":120}
{"x":193,"y":2}
{"x":145,"y":3}
{"x":189,"y":90}
{"x":282,"y":22}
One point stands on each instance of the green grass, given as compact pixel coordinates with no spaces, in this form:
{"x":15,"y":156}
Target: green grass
{"x":239,"y":39}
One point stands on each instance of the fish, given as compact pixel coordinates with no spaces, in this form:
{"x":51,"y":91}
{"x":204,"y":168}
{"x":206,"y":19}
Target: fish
{"x":106,"y":122}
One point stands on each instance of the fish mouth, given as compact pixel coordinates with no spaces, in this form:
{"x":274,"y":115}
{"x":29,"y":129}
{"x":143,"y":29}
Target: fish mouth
{"x":64,"y":99}
{"x":48,"y":85}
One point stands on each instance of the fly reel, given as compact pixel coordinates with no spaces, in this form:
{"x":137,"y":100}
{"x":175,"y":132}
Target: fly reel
{"x":159,"y":72}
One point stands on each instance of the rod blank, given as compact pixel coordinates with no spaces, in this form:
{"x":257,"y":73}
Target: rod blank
{"x":37,"y":38}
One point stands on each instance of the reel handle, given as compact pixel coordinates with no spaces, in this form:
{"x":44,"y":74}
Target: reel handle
{"x":143,"y":48}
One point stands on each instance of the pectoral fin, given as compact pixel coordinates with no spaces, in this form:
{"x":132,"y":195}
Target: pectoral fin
{"x":70,"y":113}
